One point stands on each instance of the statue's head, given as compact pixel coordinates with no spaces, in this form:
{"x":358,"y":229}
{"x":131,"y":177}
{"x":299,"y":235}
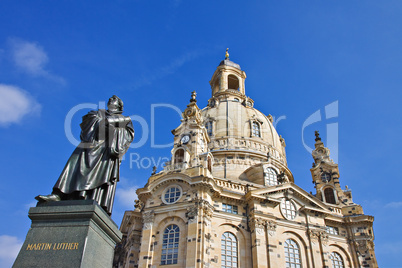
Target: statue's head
{"x":115,"y":104}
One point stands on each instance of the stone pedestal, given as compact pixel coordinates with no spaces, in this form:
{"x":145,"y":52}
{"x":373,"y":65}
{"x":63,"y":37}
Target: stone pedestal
{"x":69,"y":234}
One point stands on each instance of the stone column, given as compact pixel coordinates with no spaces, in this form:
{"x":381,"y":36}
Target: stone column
{"x":199,"y":233}
{"x":314,"y":238}
{"x":258,"y":242}
{"x":206,"y":212}
{"x":324,"y":249}
{"x":192,"y":235}
{"x":146,"y":249}
{"x":272,"y":243}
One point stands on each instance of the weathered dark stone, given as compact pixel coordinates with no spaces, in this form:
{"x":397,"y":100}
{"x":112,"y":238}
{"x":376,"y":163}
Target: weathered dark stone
{"x":76,"y":233}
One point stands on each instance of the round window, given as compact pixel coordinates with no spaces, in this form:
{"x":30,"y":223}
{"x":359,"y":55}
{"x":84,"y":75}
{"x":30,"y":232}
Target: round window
{"x":171,"y":194}
{"x":288,"y":209}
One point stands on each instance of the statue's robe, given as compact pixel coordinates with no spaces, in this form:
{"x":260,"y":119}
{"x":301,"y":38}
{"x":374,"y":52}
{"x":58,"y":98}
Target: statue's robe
{"x":93,"y":169}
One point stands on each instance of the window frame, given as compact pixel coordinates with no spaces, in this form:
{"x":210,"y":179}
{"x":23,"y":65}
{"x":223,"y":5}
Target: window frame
{"x":274,"y":177}
{"x":178,"y":159}
{"x":167,"y":189}
{"x":330,"y":198}
{"x":233,"y":80}
{"x":170,"y":247}
{"x":292,"y":254}
{"x":285,"y":209}
{"x":209,"y":127}
{"x":233,"y":208}
{"x":225,"y":247}
{"x":332,"y":230}
{"x":336,"y":260}
{"x":256,"y":130}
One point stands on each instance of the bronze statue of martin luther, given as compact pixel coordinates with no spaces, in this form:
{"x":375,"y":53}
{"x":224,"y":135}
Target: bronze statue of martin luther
{"x":93,"y":169}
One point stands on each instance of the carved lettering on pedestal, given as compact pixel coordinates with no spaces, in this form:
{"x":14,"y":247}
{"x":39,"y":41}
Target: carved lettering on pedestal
{"x":52,"y":246}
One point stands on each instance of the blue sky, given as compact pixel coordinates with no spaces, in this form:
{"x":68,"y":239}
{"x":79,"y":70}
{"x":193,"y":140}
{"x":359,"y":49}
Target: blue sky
{"x":57,"y":57}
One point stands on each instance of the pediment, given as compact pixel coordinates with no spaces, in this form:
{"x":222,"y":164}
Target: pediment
{"x":290,"y":190}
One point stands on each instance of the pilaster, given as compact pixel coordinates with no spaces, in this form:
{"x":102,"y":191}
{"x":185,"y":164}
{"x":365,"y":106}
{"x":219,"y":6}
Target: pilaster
{"x":146,"y":249}
{"x":258,"y":242}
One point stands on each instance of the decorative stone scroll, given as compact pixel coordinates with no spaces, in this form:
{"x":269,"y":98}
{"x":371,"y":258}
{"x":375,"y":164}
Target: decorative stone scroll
{"x":324,"y":237}
{"x":362,"y":246}
{"x":200,"y":207}
{"x":314,"y":235}
{"x":148,"y":219}
{"x":192,"y":213}
{"x":257,"y":225}
{"x":318,"y":235}
{"x":271,"y":227}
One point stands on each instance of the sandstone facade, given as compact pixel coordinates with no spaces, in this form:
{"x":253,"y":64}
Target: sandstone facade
{"x":228,"y":199}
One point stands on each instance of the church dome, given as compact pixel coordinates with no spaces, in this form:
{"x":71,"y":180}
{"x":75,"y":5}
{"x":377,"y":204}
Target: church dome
{"x":240,"y":135}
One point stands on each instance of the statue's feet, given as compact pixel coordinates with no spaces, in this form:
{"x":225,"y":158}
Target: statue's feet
{"x":48,"y":198}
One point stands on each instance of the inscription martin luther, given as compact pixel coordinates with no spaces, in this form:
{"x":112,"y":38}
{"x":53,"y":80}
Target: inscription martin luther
{"x":52,"y":246}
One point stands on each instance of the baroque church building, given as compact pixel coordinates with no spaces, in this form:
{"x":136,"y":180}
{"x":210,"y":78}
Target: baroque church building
{"x":228,"y":199}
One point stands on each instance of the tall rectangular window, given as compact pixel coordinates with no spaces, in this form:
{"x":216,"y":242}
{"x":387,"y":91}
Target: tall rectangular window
{"x":208,"y":126}
{"x":255,"y":129}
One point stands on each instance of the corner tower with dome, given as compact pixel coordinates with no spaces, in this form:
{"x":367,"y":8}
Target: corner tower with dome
{"x":228,"y":199}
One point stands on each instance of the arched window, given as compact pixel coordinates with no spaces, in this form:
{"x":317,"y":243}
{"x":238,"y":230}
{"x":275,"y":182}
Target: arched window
{"x":233,"y":82}
{"x":170,"y":245}
{"x":255,"y":129}
{"x":292,"y":254}
{"x":179,"y":156}
{"x":270,"y":177}
{"x":208,"y":126}
{"x":229,"y":250}
{"x":329,"y":195}
{"x":336,"y":260}
{"x":209,"y":164}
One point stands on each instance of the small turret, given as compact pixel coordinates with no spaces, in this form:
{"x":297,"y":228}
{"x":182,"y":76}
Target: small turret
{"x":325,"y":175}
{"x":191,"y":140}
{"x":228,"y":77}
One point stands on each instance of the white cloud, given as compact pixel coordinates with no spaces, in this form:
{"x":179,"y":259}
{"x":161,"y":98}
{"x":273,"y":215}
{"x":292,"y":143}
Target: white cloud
{"x":31,"y":58}
{"x":394,"y":205}
{"x":9,"y":248}
{"x":16,"y":104}
{"x":126,"y":196}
